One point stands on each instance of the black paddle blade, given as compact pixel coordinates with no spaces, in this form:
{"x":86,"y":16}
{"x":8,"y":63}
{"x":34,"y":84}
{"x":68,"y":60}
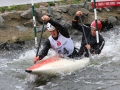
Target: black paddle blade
{"x":28,"y":71}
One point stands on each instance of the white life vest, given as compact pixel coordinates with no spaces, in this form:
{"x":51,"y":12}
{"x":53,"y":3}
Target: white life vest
{"x":63,"y":46}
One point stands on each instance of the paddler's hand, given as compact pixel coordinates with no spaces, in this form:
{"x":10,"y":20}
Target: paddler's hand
{"x":45,"y":18}
{"x":36,"y":59}
{"x":88,"y":46}
{"x":78,"y":13}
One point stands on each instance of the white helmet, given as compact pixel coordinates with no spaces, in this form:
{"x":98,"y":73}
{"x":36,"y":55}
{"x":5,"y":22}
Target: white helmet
{"x":50,"y":27}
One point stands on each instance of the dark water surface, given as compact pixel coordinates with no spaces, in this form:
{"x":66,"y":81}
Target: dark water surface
{"x":101,"y":74}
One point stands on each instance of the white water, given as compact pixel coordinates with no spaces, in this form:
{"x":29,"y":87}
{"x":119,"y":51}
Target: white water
{"x":101,"y":74}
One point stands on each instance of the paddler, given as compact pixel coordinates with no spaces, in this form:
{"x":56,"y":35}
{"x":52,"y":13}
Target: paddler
{"x":90,"y":36}
{"x":59,"y":40}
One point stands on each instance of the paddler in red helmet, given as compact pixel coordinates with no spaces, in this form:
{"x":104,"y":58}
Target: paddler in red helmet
{"x":90,"y":36}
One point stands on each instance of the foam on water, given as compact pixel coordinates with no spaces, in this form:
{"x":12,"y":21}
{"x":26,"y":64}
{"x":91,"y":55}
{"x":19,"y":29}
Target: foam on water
{"x":111,"y":52}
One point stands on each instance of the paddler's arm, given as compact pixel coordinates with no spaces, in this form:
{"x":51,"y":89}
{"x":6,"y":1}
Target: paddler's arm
{"x":44,"y":51}
{"x":63,"y":30}
{"x":100,"y":45}
{"x":75,"y":21}
{"x":76,"y":25}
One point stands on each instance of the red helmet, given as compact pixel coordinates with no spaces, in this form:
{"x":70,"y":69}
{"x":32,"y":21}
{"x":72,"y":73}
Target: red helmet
{"x":93,"y":24}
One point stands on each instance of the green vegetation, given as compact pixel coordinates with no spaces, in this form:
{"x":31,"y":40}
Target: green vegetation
{"x":25,"y":7}
{"x":17,"y":7}
{"x":36,"y":5}
{"x":76,"y":1}
{"x":51,"y":3}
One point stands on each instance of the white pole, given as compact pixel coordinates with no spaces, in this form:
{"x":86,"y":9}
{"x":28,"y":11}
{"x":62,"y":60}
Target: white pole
{"x":34,"y":24}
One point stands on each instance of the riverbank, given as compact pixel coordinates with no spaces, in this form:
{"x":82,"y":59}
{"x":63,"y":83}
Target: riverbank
{"x":17,"y":26}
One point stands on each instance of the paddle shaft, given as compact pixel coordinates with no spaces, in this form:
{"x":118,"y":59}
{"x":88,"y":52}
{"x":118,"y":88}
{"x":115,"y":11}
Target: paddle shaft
{"x":39,"y":44}
{"x":85,"y":37}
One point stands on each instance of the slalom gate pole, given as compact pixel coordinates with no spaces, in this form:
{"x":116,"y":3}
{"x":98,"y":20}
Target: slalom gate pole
{"x":95,"y":13}
{"x":34,"y":24}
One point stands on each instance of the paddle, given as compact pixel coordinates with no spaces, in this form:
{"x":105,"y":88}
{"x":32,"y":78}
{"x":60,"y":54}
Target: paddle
{"x":85,"y":38}
{"x":39,"y":44}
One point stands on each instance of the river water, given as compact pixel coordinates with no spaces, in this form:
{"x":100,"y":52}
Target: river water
{"x":101,"y":74}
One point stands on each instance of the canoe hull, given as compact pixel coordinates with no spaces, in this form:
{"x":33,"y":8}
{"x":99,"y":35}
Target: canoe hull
{"x":56,"y":65}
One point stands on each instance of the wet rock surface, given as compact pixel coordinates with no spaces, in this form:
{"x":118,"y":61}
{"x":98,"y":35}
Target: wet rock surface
{"x":17,"y":27}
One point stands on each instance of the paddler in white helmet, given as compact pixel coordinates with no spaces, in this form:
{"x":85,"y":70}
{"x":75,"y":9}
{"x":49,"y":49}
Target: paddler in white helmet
{"x":59,"y":40}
